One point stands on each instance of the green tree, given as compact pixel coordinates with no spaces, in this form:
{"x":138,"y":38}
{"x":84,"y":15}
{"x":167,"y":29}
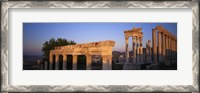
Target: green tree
{"x":52,"y":43}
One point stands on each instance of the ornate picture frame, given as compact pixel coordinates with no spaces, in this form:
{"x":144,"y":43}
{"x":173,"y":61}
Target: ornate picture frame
{"x":6,"y":5}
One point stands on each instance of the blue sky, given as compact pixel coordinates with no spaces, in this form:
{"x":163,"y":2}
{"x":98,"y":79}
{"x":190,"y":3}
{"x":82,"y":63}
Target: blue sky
{"x":35,"y":34}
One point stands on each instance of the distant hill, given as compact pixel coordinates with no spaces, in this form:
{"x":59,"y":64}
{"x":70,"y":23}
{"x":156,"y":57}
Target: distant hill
{"x":30,"y":58}
{"x":30,"y":61}
{"x":116,"y":55}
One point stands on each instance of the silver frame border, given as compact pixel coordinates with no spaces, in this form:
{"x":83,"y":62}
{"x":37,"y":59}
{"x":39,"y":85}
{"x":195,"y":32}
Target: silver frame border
{"x":194,"y":5}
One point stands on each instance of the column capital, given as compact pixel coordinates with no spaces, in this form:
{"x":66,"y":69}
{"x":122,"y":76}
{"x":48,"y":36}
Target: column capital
{"x":136,"y":37}
{"x":51,"y":54}
{"x":126,"y":37}
{"x":154,"y":29}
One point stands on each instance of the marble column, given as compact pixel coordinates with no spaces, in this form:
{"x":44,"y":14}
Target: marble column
{"x":110,"y":62}
{"x":141,"y":51}
{"x":176,"y":45}
{"x":127,"y":51}
{"x":172,"y":44}
{"x":147,"y":53}
{"x":172,"y":50}
{"x":170,"y":47}
{"x":64,"y":62}
{"x":57,"y":62}
{"x":166,"y":48}
{"x":159,"y":47}
{"x":163,"y":46}
{"x":154,"y":46}
{"x":150,"y":51}
{"x":138,"y":50}
{"x":134,"y":49}
{"x":107,"y":62}
{"x":50,"y":62}
{"x":89,"y":62}
{"x":74,"y":62}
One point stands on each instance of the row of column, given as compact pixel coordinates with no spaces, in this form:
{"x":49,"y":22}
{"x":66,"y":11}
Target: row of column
{"x":106,"y":61}
{"x":137,"y":49}
{"x":166,"y":46}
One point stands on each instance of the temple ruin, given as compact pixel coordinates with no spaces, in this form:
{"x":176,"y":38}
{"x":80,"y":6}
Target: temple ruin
{"x":163,"y":50}
{"x":103,"y":48}
{"x":137,"y":36}
{"x":164,"y":46}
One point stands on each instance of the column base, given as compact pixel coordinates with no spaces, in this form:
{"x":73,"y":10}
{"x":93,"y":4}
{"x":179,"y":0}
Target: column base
{"x":64,"y":66}
{"x":74,"y":67}
{"x":106,"y":66}
{"x":89,"y":68}
{"x":50,"y":66}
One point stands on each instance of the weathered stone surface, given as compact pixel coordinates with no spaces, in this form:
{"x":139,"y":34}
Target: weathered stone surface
{"x":165,"y":46}
{"x":64,"y":62}
{"x":159,"y":46}
{"x":154,"y":46}
{"x":134,"y":32}
{"x":103,"y":48}
{"x":137,"y":36}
